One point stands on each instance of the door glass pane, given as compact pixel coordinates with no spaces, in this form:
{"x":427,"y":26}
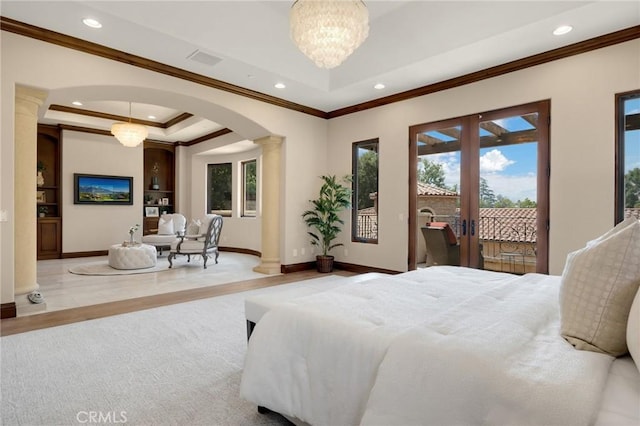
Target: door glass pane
{"x":508,"y":193}
{"x":438,"y":196}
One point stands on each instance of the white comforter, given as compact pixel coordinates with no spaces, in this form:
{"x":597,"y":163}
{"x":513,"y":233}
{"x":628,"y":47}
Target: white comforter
{"x":443,"y":345}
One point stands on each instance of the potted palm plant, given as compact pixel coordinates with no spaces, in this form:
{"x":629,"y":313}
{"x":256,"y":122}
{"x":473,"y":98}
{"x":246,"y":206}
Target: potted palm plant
{"x":324,"y":218}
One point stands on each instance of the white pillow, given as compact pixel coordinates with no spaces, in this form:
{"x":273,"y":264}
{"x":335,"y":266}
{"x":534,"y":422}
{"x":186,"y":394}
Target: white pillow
{"x":619,"y":227}
{"x":194,"y":227}
{"x":204,"y":227}
{"x":165,"y":226}
{"x":633,"y":330}
{"x":598,"y":286}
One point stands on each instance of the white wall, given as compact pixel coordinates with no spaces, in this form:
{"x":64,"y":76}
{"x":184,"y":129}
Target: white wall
{"x":237,"y":231}
{"x":581,"y":89}
{"x":96,"y":227}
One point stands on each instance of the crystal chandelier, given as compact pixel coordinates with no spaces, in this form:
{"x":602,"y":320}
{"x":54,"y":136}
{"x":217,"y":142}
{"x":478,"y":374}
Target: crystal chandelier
{"x":328,"y":31}
{"x":129,"y":134}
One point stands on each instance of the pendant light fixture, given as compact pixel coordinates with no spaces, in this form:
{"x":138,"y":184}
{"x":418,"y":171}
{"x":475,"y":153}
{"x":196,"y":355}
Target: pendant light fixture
{"x":328,"y":31}
{"x":129,"y":134}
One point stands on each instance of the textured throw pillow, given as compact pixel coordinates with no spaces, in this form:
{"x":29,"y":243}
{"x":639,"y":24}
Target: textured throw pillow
{"x":619,"y":227}
{"x":194,"y":227}
{"x":204,"y":227}
{"x":633,"y":330}
{"x":598,"y":286}
{"x":165,"y":226}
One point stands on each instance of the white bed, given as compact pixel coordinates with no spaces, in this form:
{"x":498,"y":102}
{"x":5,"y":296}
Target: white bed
{"x":441,"y":345}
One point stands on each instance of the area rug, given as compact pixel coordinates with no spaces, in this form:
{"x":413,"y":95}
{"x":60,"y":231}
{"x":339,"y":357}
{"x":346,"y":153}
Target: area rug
{"x":174,"y":365}
{"x":103,"y":268}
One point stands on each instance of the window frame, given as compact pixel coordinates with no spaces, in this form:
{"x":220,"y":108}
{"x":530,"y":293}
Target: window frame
{"x":354,"y":201}
{"x":243,"y":170}
{"x":224,"y":212}
{"x":621,"y":98}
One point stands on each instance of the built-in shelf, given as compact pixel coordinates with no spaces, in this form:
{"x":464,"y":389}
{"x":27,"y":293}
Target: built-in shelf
{"x":49,"y":195}
{"x":159,"y":169}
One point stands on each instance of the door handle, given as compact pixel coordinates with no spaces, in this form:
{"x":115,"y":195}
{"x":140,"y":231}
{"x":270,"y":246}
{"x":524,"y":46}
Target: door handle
{"x":464,"y":227}
{"x":473,"y":227}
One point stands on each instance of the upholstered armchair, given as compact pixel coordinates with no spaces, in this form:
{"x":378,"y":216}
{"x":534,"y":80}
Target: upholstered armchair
{"x":170,"y":227}
{"x":204,"y":243}
{"x":442,"y":244}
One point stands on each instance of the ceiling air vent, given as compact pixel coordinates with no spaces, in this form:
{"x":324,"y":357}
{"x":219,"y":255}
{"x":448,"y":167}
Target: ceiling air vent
{"x":203,"y":58}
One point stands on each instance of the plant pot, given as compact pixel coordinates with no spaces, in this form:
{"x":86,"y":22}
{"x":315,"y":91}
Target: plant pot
{"x":324,"y":263}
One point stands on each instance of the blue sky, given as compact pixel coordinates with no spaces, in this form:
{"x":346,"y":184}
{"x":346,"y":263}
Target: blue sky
{"x":632,"y":139}
{"x":510,"y":170}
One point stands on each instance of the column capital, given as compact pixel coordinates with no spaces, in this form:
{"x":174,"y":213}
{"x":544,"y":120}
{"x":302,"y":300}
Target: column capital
{"x":31,"y":94}
{"x":269,"y":140}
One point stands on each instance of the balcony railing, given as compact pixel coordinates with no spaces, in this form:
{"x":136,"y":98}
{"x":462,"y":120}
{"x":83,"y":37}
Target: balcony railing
{"x":367,"y":227}
{"x":508,"y":243}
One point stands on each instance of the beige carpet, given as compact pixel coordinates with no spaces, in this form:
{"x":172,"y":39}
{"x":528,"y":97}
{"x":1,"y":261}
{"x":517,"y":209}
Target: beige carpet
{"x":103,"y":268}
{"x":174,"y":365}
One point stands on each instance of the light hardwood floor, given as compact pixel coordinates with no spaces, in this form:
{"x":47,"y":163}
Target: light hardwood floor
{"x":72,"y":298}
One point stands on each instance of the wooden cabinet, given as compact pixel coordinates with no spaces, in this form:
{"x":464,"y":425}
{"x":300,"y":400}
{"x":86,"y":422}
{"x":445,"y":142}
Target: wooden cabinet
{"x":159,"y":183}
{"x":49,"y":238}
{"x":48,"y":192}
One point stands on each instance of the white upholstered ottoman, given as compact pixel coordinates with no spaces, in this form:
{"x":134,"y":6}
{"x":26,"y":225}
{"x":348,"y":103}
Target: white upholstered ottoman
{"x":138,"y":256}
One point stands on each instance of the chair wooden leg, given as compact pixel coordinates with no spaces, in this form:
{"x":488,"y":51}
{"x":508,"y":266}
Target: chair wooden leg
{"x":170,"y":258}
{"x":217,"y":254}
{"x":205,"y":257}
{"x":188,"y":258}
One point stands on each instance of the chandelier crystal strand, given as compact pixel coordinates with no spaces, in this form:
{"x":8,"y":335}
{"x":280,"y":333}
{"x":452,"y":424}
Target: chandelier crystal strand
{"x":129,"y":134}
{"x":328,"y":31}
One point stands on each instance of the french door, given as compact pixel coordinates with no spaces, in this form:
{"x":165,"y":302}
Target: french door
{"x":487,"y":176}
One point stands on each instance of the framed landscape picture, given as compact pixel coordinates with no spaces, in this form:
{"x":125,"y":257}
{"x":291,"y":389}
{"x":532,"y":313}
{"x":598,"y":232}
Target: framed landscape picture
{"x":102,"y":189}
{"x":151,"y":211}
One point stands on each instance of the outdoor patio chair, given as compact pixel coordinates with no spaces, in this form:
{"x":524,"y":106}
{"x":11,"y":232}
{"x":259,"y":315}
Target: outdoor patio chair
{"x":442,"y":244}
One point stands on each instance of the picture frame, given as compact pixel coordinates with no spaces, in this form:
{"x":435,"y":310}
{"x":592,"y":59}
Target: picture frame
{"x":165,"y":201}
{"x":41,"y":197}
{"x":102,"y":189}
{"x":151,"y":212}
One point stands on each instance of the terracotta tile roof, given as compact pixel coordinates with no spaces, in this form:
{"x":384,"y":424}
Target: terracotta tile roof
{"x":508,"y":224}
{"x":425,"y":189}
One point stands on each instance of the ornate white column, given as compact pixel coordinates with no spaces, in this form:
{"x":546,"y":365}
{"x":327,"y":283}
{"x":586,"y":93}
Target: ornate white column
{"x":270,"y":260}
{"x":27,"y":102}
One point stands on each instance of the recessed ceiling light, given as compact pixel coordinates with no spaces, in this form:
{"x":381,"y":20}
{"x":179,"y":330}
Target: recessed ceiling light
{"x":90,"y":22}
{"x":77,"y":103}
{"x":151,"y":117}
{"x":251,"y":76}
{"x":280,"y":86}
{"x":562,"y":29}
{"x":379,"y":86}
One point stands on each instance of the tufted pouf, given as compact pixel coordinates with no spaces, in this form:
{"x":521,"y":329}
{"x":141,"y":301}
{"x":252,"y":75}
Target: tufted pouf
{"x":138,"y":256}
